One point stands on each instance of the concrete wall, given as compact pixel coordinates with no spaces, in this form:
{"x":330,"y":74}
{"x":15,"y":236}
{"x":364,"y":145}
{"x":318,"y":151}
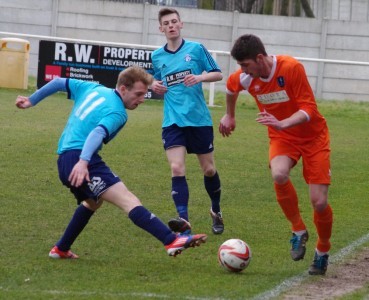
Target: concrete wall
{"x":108,"y":21}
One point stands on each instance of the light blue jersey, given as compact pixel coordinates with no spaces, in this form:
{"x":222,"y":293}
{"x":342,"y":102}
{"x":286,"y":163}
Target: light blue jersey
{"x":94,"y":105}
{"x":184,"y":106}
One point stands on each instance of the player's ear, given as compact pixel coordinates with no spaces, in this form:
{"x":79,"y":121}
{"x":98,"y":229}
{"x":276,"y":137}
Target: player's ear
{"x":259,"y":58}
{"x":122,"y":89}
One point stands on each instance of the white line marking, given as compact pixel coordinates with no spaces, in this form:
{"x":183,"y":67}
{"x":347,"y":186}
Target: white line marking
{"x":109,"y":294}
{"x":288,"y":283}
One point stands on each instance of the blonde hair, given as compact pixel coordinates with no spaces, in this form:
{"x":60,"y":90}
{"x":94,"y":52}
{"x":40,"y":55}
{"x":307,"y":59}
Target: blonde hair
{"x":131,"y":75}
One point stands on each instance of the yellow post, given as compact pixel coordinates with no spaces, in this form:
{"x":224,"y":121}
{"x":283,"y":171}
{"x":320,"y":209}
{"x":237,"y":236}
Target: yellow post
{"x":14,"y":61}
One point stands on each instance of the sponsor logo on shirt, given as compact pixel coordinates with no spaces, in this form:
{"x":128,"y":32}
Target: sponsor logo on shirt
{"x":176,"y":78}
{"x":276,"y":97}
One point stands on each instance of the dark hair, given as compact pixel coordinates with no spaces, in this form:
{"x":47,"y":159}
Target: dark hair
{"x":247,"y":46}
{"x":167,"y":11}
{"x":131,"y":75}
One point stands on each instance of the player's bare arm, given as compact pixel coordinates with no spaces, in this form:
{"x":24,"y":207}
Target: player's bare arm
{"x":192,"y":79}
{"x":268,"y":119}
{"x":228,"y":121}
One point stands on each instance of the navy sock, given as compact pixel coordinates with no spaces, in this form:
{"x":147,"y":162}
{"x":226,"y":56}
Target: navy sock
{"x":212,"y":186}
{"x":79,"y":220}
{"x":146,"y":220}
{"x":180,"y":195}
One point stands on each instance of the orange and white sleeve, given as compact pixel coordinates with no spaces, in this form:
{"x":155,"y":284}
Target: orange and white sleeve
{"x":302,"y":91}
{"x":234,"y":83}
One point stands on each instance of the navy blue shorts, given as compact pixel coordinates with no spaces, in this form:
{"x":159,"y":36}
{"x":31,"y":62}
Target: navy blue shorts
{"x":198,"y":140}
{"x":101,"y":176}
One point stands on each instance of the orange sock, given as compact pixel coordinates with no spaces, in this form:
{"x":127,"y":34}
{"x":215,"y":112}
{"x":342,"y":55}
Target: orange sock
{"x":287,"y":199}
{"x":323,"y":222}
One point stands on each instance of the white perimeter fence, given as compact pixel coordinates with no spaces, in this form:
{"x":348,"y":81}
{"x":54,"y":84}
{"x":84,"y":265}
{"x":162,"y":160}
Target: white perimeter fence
{"x":216,"y":55}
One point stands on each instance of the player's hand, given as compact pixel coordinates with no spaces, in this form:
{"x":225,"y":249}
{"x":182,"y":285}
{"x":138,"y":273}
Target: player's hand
{"x":227,"y":125}
{"x":23,"y":102}
{"x":268,"y":119}
{"x":79,"y":173}
{"x":158,"y":87}
{"x":191,"y":80}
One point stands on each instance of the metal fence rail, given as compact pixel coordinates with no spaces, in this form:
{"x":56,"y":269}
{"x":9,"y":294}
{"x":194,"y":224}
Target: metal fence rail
{"x":181,"y":3}
{"x":214,"y":53}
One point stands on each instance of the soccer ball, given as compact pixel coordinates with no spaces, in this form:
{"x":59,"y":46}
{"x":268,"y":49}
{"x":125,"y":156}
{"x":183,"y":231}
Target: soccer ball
{"x":234,"y":255}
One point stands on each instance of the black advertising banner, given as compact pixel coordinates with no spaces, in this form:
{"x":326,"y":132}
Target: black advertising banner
{"x":89,"y":62}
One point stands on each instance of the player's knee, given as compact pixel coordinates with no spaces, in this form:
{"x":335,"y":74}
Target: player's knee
{"x":280,"y":177}
{"x":209,"y":172}
{"x":319,"y":204}
{"x":178,"y":169}
{"x":319,"y":198}
{"x":92,"y":205}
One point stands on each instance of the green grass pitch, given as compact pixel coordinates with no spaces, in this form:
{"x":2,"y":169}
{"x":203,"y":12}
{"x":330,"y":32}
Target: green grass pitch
{"x":120,"y":261}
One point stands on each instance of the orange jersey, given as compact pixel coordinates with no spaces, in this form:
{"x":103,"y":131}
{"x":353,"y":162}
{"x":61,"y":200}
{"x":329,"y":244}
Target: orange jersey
{"x":285,"y":92}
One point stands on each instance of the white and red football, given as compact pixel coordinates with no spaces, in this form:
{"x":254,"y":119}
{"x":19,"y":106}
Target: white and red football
{"x":234,"y":255}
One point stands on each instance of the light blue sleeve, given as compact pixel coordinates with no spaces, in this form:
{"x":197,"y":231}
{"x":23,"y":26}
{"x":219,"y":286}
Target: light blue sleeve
{"x":155,"y":63}
{"x":210,"y":65}
{"x":93,"y":143}
{"x":55,"y":85}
